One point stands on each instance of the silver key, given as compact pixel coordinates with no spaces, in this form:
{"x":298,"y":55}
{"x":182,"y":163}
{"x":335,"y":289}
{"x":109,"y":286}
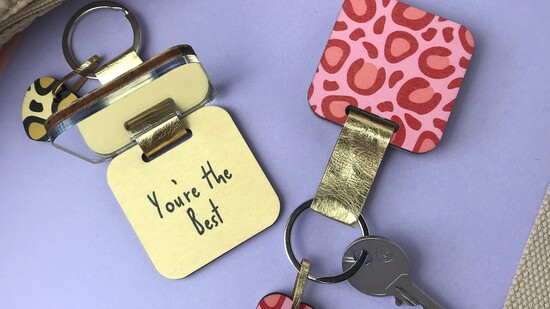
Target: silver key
{"x":386,"y":272}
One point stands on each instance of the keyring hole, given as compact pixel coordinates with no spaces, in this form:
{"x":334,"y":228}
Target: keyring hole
{"x":357,"y":254}
{"x":104,"y":32}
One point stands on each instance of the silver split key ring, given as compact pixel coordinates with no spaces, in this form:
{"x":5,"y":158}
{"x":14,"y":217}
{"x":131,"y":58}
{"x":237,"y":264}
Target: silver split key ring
{"x":77,"y":17}
{"x":347,"y":274}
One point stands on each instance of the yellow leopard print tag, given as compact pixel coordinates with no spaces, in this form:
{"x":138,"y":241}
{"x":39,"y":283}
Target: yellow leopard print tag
{"x":40,"y":103}
{"x":47,"y":95}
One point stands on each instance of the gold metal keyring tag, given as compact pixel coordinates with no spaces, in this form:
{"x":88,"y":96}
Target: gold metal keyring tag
{"x":198,"y":200}
{"x":352,"y":167}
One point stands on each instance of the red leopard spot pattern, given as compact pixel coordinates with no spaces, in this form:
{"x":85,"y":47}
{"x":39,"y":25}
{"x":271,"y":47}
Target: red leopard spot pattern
{"x":417,"y":95}
{"x":448,"y":34}
{"x":400,"y":45}
{"x":429,"y":34}
{"x":396,"y":61}
{"x":440,"y":124}
{"x":456,"y":83}
{"x":401,"y":134}
{"x":435,"y":63}
{"x":449,"y":106}
{"x":413,"y":123}
{"x":371,"y":50}
{"x":357,"y":34}
{"x":365,"y":78}
{"x":379,"y":25}
{"x":395,"y":78}
{"x":385,"y":106}
{"x":427,"y":140}
{"x":464,"y":62}
{"x":411,"y":17}
{"x":360,"y":11}
{"x":340,"y":26}
{"x":335,"y":107}
{"x":336,"y":54}
{"x":330,"y":85}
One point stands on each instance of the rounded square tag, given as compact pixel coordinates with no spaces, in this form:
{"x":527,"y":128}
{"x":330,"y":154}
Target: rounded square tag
{"x":198,"y":200}
{"x":397,"y":62}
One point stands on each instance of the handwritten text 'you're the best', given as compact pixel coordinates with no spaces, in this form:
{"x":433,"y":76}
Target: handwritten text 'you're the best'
{"x":184,"y":199}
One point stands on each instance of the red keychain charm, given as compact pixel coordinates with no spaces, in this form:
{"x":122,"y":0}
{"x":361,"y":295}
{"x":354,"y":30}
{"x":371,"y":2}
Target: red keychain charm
{"x":278,"y":301}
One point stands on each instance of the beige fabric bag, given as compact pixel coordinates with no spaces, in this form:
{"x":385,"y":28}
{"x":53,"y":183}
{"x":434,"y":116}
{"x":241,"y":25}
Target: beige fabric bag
{"x":531,"y":285}
{"x":16,"y":15}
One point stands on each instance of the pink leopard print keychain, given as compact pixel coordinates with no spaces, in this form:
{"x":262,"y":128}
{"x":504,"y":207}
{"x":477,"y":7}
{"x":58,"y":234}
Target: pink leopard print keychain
{"x":397,"y":62}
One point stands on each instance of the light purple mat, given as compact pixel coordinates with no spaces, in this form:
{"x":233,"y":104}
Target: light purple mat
{"x":462,"y":212}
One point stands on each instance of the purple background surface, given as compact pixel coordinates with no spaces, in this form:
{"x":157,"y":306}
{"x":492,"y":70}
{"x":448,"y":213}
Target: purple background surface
{"x":462,"y":212}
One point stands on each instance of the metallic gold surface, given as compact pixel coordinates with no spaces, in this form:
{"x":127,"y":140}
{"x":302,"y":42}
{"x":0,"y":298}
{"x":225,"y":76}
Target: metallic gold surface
{"x":151,"y":117}
{"x":118,"y":66}
{"x":300,"y":284}
{"x":157,"y":127}
{"x":352,"y":167}
{"x":88,"y":66}
{"x":245,"y":200}
{"x":161,"y":136}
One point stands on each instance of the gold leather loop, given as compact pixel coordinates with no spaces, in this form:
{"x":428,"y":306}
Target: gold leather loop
{"x":352,"y":167}
{"x":89,"y":65}
{"x":161,"y":136}
{"x":300,"y":284}
{"x":157,"y":127}
{"x":118,"y":66}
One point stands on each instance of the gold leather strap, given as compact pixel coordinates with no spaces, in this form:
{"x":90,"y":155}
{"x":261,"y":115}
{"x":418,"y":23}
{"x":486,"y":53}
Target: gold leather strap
{"x":118,"y":66}
{"x":352,"y":167}
{"x":156,"y":128}
{"x":300,"y":284}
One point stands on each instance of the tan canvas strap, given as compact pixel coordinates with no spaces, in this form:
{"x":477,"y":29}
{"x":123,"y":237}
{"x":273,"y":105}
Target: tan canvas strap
{"x":20,"y":15}
{"x":531,"y":285}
